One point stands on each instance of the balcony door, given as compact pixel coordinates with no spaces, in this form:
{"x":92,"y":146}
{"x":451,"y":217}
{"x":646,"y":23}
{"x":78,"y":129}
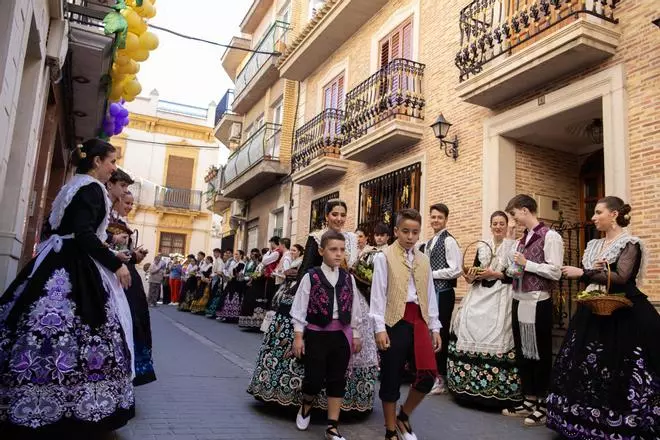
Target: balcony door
{"x":333,"y":98}
{"x":171,"y":243}
{"x":395,"y":80}
{"x":179,"y":180}
{"x":592,"y":189}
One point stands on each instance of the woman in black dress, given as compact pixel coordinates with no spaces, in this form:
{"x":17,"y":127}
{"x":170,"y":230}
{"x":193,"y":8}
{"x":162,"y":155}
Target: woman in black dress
{"x":606,"y":379}
{"x":65,"y":324}
{"x":137,"y":298}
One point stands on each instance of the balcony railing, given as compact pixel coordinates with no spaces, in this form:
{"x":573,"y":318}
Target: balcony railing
{"x":178,"y":198}
{"x":224,"y":107}
{"x":489,"y":29}
{"x":214,"y":186}
{"x":396,"y":89}
{"x":273,"y":41}
{"x":264,"y":144}
{"x":319,"y":137}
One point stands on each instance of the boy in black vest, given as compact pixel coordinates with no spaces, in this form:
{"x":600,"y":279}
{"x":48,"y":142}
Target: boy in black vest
{"x":325,"y":315}
{"x":446,"y":264}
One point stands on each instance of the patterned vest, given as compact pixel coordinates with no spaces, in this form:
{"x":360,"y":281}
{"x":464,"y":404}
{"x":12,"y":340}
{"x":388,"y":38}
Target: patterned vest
{"x":398,"y":277}
{"x":438,"y":257}
{"x":322,"y":297}
{"x":533,"y":251}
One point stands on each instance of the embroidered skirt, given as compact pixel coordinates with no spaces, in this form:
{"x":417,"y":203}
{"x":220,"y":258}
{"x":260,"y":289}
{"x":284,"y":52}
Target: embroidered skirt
{"x":278,"y":375}
{"x":606,"y":378}
{"x":59,"y":374}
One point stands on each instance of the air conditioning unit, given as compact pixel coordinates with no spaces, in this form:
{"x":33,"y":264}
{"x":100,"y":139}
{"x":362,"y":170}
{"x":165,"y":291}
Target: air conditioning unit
{"x":237,"y":210}
{"x":235,"y":132}
{"x":57,"y":47}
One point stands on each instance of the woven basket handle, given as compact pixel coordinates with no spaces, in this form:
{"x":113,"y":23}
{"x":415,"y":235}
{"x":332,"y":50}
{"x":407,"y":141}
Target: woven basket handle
{"x":492,"y":254}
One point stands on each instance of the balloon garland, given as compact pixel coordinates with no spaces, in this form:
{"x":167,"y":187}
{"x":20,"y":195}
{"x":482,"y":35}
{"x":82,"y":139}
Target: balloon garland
{"x":134,"y":42}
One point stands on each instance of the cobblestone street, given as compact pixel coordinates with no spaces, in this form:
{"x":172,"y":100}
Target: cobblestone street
{"x":203,"y":369}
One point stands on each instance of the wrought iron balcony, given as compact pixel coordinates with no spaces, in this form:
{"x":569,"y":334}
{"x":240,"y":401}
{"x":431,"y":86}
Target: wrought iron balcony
{"x":396,"y":89}
{"x":259,"y":71}
{"x":179,"y":198}
{"x":317,"y":148}
{"x":224,"y":107}
{"x":494,"y":32}
{"x":319,"y":137}
{"x":215,"y":200}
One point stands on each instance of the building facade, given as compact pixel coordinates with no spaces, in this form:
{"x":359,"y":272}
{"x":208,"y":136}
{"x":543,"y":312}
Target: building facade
{"x":556,"y":99}
{"x":256,"y":120}
{"x":53,"y":59}
{"x":168,"y":148}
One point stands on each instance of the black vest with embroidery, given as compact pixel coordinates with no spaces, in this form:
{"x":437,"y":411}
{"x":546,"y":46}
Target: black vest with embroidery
{"x":322,"y":297}
{"x":438,"y":257}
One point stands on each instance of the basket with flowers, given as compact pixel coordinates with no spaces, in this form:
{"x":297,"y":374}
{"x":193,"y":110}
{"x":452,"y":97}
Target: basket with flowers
{"x":602,"y":302}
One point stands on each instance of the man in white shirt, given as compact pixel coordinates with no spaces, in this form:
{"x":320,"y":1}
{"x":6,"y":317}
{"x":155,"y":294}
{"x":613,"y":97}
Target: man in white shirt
{"x":405,"y":315}
{"x":535,"y":267}
{"x":285,"y":262}
{"x":446,"y":263}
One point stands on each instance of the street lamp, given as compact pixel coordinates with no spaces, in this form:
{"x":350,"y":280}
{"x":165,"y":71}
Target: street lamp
{"x":440,"y":129}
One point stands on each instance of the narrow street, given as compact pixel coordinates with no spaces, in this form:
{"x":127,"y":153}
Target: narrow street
{"x":203,"y":369}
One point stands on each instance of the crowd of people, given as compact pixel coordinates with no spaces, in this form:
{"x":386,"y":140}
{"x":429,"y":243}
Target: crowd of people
{"x":339,"y":315}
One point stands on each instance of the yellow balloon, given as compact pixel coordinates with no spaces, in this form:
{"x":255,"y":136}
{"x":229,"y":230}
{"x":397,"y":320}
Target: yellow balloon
{"x":132,"y":87}
{"x":131,"y":68}
{"x":132,"y":42}
{"x":140,"y":55}
{"x":116,"y":91}
{"x":132,"y":17}
{"x":146,"y":10}
{"x":128,"y":98}
{"x":121,"y":59}
{"x":149,"y":41}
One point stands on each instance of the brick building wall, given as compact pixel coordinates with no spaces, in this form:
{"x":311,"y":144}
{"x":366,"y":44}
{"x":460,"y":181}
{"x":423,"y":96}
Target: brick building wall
{"x":549,"y":172}
{"x":459,"y":184}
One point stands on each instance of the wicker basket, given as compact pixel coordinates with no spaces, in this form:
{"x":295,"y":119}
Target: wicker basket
{"x":605,"y":305}
{"x":466,"y":269}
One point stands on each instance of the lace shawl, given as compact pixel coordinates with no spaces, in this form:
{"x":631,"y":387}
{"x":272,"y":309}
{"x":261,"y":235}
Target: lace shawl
{"x":611,"y":255}
{"x":66,"y":195}
{"x":500,"y":259}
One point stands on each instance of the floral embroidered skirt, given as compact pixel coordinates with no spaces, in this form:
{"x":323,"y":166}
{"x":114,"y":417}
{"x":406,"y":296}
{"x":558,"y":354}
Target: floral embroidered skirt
{"x":254,"y":305}
{"x":231,"y":308}
{"x":198,"y":306}
{"x":278,"y":374}
{"x":59,"y":374}
{"x":483,"y":378}
{"x":606,"y":378}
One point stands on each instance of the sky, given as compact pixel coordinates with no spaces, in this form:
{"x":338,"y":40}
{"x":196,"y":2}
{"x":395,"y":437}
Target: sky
{"x":186,"y":71}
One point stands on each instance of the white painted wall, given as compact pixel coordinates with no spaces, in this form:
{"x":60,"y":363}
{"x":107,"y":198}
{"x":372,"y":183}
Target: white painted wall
{"x":24,"y":81}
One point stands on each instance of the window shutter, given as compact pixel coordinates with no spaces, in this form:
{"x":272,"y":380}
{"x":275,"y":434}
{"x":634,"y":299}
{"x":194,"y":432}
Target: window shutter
{"x":385,"y":52}
{"x":340,"y":92}
{"x":395,"y":44}
{"x":327,"y":96}
{"x":407,"y":41}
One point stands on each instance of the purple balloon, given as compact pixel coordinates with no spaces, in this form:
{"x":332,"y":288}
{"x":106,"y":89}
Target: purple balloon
{"x":115,"y":109}
{"x":123,"y":113}
{"x":125,"y":122}
{"x":108,"y":127}
{"x":118,"y":130}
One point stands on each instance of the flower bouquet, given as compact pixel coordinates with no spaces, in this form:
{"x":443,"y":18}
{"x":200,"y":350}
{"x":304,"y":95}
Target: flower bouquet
{"x":363,"y":272}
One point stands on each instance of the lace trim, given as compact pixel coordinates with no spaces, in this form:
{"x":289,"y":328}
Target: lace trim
{"x":66,"y":195}
{"x":499,"y":262}
{"x":351,"y":245}
{"x":612,"y":253}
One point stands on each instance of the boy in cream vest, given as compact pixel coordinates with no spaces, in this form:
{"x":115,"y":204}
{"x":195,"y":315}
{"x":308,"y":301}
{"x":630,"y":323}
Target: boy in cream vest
{"x":405,"y":313}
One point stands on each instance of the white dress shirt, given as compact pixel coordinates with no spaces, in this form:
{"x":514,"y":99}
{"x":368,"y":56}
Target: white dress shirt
{"x":301,"y":301}
{"x":379,"y":294}
{"x":453,"y":255}
{"x":218,"y":266}
{"x":228,"y":268}
{"x":270,"y":257}
{"x":285,"y":264}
